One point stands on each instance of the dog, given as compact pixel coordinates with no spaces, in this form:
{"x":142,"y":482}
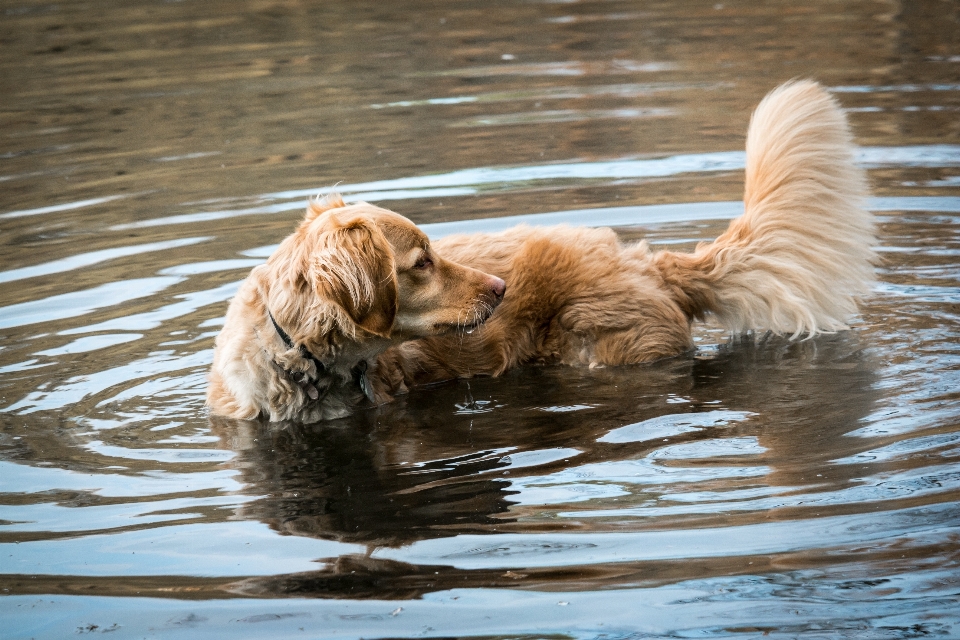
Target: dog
{"x":794,"y":263}
{"x":305,"y":327}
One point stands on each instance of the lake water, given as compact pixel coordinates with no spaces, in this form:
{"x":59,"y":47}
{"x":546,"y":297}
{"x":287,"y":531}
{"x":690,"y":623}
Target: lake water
{"x":153,"y":152}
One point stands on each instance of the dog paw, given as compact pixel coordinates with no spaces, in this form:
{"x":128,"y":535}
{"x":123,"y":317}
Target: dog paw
{"x":293,"y":362}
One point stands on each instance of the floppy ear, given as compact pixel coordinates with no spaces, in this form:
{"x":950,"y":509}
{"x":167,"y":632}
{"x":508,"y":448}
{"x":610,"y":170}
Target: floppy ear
{"x":354,"y":268}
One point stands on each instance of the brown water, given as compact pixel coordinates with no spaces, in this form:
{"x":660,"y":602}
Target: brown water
{"x":151,"y":153}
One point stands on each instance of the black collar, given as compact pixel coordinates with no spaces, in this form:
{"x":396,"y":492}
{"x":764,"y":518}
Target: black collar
{"x":290,"y":345}
{"x":283,"y":334}
{"x":310,"y":386}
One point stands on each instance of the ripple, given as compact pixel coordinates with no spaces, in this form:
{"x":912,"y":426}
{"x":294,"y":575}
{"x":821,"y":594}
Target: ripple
{"x":713,"y":448}
{"x":77,"y":388}
{"x":241,"y":548}
{"x":52,"y":518}
{"x":556,"y":93}
{"x":535,"y":494}
{"x":894,"y":88}
{"x":160,"y":455}
{"x":78,"y":303}
{"x":564,"y":408}
{"x":27,"y":479}
{"x":617,"y":169}
{"x":565,"y":115}
{"x":646,"y":471}
{"x":147,"y":320}
{"x":94,"y":257}
{"x":883,"y":489}
{"x":600,"y":217}
{"x":663,"y":427}
{"x":506,"y":551}
{"x":658,"y":214}
{"x":90,"y":343}
{"x":522,"y":459}
{"x":374,"y":196}
{"x":570,"y":68}
{"x":66,"y":206}
{"x":924,"y":293}
{"x":905,"y":449}
{"x":210,"y":266}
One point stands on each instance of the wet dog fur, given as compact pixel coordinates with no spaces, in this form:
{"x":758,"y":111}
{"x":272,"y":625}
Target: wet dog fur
{"x":794,"y":263}
{"x":351,"y":281}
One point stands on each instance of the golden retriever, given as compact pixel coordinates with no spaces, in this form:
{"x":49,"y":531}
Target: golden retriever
{"x":349,"y":282}
{"x":794,"y":263}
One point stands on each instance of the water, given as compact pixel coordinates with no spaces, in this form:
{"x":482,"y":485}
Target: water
{"x":152,"y":153}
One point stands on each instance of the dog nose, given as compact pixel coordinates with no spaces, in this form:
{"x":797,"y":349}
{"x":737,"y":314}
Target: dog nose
{"x":499,"y":287}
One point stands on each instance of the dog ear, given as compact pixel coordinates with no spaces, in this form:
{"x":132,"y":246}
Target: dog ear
{"x":354,"y":267}
{"x":318,"y":205}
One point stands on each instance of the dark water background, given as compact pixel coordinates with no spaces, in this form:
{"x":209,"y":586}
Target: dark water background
{"x":152,"y":152}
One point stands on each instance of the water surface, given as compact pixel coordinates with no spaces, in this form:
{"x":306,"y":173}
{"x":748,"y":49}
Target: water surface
{"x":152,"y":153}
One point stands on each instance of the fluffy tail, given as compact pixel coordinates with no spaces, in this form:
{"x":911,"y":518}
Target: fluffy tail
{"x":798,"y":258}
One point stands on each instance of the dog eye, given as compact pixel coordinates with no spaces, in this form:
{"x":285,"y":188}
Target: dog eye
{"x":423,"y":262}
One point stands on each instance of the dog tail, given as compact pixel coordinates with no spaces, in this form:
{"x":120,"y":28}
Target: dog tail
{"x":799,"y":257}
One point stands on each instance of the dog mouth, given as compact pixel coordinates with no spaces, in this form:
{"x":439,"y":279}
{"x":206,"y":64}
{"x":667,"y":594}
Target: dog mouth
{"x":449,"y":327}
{"x":480,"y":317}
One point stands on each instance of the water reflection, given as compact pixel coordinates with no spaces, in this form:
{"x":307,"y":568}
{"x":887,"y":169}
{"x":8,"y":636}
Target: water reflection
{"x":750,"y":435}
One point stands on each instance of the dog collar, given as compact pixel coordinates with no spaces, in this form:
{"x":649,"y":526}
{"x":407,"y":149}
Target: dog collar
{"x":310,"y":386}
{"x":290,"y":345}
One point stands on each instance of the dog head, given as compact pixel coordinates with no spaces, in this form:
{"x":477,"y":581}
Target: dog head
{"x":374,"y":271}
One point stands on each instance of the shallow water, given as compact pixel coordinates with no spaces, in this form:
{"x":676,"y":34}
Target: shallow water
{"x":152,"y":153}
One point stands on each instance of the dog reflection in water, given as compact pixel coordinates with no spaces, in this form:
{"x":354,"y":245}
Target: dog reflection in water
{"x":419,"y":468}
{"x":338,"y":479}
